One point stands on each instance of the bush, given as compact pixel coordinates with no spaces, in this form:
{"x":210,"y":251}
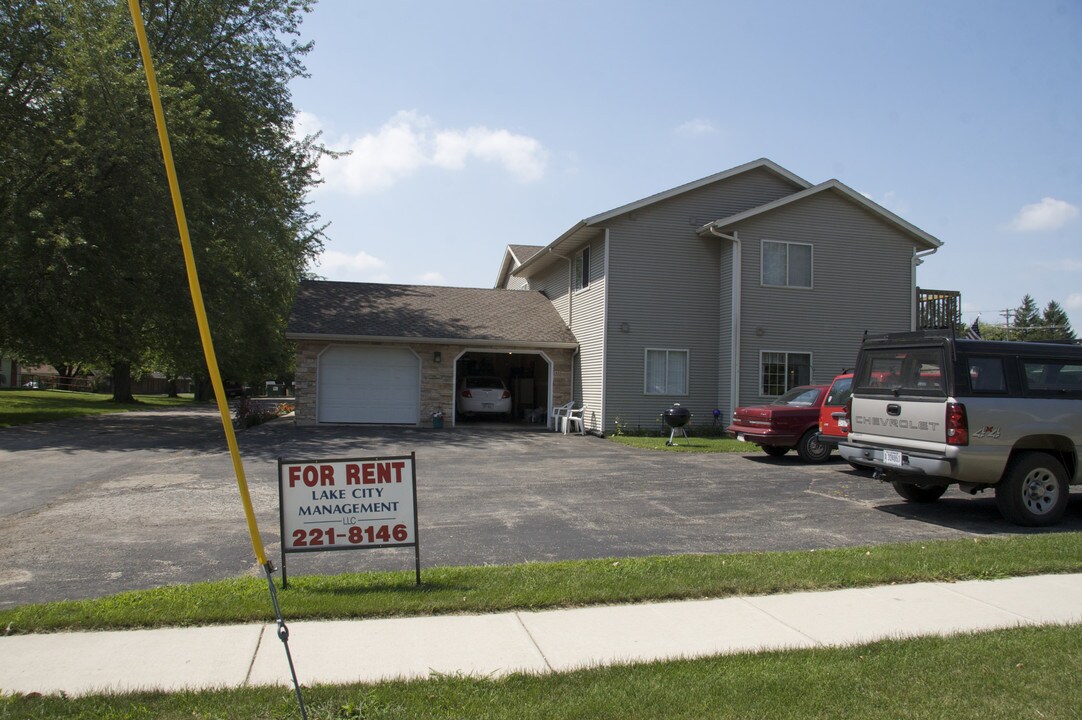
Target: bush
{"x":249,"y":414}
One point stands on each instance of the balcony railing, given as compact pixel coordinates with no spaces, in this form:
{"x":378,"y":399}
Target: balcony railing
{"x":938,"y":308}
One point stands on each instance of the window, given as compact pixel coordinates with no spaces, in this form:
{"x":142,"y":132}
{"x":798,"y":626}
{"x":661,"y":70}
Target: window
{"x":786,"y":264}
{"x":582,"y":269}
{"x":902,"y":371}
{"x":986,"y":375}
{"x":783,"y":371}
{"x":1055,"y":378}
{"x":666,"y":372}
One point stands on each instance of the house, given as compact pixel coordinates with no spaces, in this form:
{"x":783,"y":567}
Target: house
{"x":724,"y":291}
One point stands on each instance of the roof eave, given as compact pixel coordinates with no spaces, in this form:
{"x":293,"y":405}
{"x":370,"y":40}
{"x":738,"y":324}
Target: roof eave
{"x":471,"y":342}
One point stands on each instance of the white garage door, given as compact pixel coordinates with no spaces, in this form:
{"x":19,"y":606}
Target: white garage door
{"x":368,"y":385}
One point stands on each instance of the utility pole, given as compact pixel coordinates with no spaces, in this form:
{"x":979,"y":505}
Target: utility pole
{"x":1007,"y":314}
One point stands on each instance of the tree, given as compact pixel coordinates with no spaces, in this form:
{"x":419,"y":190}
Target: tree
{"x":92,"y":264}
{"x":1026,"y":319}
{"x":1055,"y":323}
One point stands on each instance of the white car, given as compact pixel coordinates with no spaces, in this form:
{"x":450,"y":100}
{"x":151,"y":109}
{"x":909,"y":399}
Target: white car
{"x":483,"y":394}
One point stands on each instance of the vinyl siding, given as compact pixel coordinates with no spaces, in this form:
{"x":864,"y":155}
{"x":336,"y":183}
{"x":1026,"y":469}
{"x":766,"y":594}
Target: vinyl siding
{"x":861,"y":275}
{"x":665,"y":293}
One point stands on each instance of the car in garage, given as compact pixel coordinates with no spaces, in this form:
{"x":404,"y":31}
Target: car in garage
{"x":484,"y":394}
{"x":791,"y":421}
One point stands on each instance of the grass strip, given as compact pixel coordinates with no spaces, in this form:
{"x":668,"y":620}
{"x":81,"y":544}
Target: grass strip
{"x":1009,"y":674}
{"x":23,"y":407}
{"x":534,"y":586}
{"x":693,"y":444}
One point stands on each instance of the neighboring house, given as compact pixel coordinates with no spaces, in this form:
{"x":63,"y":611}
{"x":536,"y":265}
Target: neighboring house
{"x":720,"y":292}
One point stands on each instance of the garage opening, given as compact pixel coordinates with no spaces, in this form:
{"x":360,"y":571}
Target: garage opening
{"x":524,"y":375}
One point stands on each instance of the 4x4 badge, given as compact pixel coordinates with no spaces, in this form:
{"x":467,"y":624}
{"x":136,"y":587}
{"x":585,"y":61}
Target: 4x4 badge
{"x":989,"y":431}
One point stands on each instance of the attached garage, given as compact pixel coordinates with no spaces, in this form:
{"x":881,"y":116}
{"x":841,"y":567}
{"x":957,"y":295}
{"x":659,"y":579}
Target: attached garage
{"x":378,"y":354}
{"x":368,"y":385}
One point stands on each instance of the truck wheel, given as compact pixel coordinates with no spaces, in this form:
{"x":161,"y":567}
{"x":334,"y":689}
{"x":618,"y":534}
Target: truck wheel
{"x":775,"y":450}
{"x":919,"y":493}
{"x":1033,"y":491}
{"x":811,"y":450}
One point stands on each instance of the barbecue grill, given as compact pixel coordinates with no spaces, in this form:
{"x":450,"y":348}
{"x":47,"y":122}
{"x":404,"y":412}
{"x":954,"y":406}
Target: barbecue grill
{"x":676,"y":418}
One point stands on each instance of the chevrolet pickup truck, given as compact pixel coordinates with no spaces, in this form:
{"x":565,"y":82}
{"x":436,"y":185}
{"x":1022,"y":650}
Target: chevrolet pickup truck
{"x":930,"y":410}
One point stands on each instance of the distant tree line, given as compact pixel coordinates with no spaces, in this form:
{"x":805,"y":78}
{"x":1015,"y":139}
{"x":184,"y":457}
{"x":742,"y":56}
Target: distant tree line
{"x":1027,"y":323}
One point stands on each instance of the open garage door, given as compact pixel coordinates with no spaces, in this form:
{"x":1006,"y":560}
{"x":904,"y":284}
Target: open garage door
{"x":526,"y":375}
{"x":368,"y":385}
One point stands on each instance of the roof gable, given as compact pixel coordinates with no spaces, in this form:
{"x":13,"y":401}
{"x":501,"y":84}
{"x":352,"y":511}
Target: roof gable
{"x":912,"y":231}
{"x":421,"y":313}
{"x":586,"y":229}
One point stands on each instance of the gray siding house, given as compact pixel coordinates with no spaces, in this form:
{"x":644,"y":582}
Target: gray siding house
{"x":722,"y":292}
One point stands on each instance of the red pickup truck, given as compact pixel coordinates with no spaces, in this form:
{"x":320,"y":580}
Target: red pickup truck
{"x":791,"y":421}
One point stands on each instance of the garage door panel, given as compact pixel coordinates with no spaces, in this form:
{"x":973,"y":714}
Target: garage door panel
{"x":368,"y":385}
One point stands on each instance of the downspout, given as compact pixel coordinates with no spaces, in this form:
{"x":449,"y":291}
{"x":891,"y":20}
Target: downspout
{"x":570,"y":284}
{"x":734,"y":360}
{"x":918,"y":258}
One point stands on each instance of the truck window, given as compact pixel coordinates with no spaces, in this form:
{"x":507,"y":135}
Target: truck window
{"x":1053,"y":377}
{"x":986,"y":375}
{"x":910,"y":371}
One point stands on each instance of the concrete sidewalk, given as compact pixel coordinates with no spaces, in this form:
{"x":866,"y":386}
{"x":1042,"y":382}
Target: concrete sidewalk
{"x":531,"y":642}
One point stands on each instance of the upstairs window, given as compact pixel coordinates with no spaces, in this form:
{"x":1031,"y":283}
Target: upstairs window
{"x":786,"y":264}
{"x":582,"y":269}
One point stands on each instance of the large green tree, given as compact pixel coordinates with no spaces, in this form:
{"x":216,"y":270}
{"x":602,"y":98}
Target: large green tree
{"x":93,"y":270}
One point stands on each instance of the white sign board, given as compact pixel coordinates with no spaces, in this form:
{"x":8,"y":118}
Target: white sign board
{"x":353,"y":504}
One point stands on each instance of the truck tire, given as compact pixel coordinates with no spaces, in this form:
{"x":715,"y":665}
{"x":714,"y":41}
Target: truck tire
{"x":919,"y":493}
{"x":811,"y":450}
{"x":1033,"y":491}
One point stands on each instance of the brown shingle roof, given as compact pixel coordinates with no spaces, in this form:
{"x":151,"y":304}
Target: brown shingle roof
{"x":422,"y":312}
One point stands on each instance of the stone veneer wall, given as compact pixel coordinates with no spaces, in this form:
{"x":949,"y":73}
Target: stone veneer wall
{"x":437,"y":379}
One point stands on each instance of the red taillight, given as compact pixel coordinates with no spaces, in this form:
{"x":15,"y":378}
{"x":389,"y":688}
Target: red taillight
{"x":467,"y":394}
{"x":506,"y":394}
{"x":957,"y":424}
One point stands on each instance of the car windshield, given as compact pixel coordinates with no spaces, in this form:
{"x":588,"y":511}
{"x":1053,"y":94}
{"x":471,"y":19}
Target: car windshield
{"x":800,"y":397}
{"x":840,"y":392}
{"x":485,"y":383}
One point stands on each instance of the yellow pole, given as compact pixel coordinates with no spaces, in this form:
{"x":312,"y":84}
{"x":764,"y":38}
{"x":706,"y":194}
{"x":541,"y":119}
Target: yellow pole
{"x":193,"y":282}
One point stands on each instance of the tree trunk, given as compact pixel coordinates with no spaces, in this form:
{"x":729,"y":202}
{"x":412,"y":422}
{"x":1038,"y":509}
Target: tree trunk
{"x":122,"y":383}
{"x":203,"y":389}
{"x":173,"y":388}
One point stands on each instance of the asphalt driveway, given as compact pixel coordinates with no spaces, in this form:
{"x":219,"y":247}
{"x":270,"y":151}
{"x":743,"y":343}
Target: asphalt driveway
{"x":118,"y":502}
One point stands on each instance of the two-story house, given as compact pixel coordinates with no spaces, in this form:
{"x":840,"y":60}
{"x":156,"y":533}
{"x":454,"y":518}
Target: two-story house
{"x":724,"y":291}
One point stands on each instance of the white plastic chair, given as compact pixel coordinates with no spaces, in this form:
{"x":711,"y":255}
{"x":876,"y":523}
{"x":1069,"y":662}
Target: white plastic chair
{"x":573,"y":418}
{"x":560,"y":414}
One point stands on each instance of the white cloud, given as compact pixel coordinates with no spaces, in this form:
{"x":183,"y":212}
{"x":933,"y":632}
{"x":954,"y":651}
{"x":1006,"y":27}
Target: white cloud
{"x":338,"y":264}
{"x":1067,"y":265}
{"x":410,"y":141}
{"x":1073,"y":302}
{"x":1048,"y":214}
{"x":696,"y":126}
{"x":306,"y":124}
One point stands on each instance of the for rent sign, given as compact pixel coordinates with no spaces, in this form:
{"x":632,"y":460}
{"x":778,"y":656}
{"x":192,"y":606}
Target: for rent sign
{"x":353,"y":504}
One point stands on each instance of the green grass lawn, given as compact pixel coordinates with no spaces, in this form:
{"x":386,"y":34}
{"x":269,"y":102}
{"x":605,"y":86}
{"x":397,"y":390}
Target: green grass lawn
{"x":22,"y":407}
{"x":692,"y":444}
{"x":534,"y":586}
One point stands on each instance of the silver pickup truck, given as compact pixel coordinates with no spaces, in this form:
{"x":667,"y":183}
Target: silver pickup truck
{"x":930,"y":410}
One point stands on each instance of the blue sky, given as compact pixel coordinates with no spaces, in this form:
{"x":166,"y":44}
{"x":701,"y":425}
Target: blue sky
{"x":478,"y":124}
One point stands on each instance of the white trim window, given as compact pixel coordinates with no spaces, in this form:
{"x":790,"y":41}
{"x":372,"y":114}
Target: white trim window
{"x":780,"y":372}
{"x":581,"y":271}
{"x":786,"y":264}
{"x":666,"y":372}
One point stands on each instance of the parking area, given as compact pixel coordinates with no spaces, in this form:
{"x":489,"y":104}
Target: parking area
{"x":138,"y":500}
